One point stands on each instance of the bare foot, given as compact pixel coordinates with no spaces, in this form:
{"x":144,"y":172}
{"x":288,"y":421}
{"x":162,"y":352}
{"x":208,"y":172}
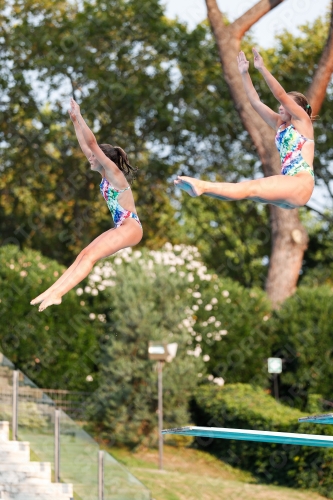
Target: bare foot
{"x":50,"y":300}
{"x":40,"y":298}
{"x":193,"y":187}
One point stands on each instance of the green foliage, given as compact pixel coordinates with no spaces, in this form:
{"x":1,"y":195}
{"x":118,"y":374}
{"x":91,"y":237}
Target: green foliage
{"x":231,"y":324}
{"x":57,"y":348}
{"x":30,"y":416}
{"x":318,"y":266}
{"x":215,"y":320}
{"x":169,"y":294}
{"x":301,"y":332}
{"x":225,"y":322}
{"x":242,"y":406}
{"x":134,"y":76}
{"x":118,"y":68}
{"x":147,"y":304}
{"x":233,"y":239}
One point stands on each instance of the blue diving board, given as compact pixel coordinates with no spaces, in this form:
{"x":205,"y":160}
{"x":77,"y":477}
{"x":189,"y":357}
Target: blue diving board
{"x":327,"y":418}
{"x":259,"y":436}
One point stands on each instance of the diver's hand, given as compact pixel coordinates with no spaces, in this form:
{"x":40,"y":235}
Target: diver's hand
{"x":243,"y":63}
{"x":258,"y":60}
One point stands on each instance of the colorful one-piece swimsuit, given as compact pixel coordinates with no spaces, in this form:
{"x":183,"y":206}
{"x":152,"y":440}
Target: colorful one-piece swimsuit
{"x":110,"y":195}
{"x":289,"y":143}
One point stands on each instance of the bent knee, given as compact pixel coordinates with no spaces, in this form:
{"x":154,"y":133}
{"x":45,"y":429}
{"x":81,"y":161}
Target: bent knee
{"x":254,"y":192}
{"x":304,"y":195}
{"x":88,"y":257}
{"x":139,"y":238}
{"x":301,"y":201}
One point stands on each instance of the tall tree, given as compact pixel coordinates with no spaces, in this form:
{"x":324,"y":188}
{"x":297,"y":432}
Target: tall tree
{"x":289,"y":238}
{"x":117,"y":67}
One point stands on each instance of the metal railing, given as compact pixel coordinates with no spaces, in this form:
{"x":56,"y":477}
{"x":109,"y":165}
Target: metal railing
{"x":54,"y":437}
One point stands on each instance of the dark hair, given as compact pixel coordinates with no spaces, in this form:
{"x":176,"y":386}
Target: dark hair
{"x":120,"y":158}
{"x":302,"y":101}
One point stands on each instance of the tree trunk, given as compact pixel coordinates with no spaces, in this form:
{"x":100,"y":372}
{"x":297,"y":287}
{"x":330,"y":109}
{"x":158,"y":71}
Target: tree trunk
{"x":317,"y":90}
{"x":289,"y":238}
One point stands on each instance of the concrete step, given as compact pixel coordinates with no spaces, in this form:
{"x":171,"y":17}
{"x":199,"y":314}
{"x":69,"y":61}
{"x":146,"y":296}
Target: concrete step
{"x":6,"y":380}
{"x":14,"y":451}
{"x":51,"y":491}
{"x":17,"y":457}
{"x":4,"y":431}
{"x":15,"y":446}
{"x":33,"y":496}
{"x":30,"y":472}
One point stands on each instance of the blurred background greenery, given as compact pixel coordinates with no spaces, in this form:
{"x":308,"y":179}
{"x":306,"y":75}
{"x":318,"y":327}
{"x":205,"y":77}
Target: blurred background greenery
{"x":154,"y":87}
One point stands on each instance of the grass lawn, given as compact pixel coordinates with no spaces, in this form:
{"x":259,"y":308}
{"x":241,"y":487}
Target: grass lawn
{"x":195,"y":475}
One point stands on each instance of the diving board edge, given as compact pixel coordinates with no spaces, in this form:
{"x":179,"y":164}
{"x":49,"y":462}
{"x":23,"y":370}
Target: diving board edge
{"x":254,"y":435}
{"x":326,"y":418}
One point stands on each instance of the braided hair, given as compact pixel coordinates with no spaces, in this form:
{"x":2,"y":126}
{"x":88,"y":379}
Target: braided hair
{"x":120,"y":158}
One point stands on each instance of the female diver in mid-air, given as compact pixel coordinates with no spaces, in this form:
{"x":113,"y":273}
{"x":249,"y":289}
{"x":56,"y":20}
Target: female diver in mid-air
{"x":294,"y":140}
{"x":112,"y":163}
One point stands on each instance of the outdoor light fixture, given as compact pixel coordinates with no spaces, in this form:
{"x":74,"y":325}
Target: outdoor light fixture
{"x":161,"y":352}
{"x":274,"y":366}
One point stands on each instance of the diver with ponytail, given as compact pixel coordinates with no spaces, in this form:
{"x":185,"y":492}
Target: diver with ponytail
{"x":111,"y":162}
{"x":294,"y":141}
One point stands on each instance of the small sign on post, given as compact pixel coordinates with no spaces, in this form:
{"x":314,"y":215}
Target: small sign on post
{"x":274,"y":366}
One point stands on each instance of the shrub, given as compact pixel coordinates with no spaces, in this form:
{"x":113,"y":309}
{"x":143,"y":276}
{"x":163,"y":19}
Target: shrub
{"x":147,"y":304}
{"x":231,"y":326}
{"x":169,"y":294}
{"x":225,"y":322}
{"x":301,"y":333}
{"x":243,"y":406}
{"x":56,"y":348}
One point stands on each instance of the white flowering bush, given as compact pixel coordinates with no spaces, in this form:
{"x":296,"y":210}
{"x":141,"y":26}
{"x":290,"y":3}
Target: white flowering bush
{"x":223,"y":320}
{"x":141,"y":297}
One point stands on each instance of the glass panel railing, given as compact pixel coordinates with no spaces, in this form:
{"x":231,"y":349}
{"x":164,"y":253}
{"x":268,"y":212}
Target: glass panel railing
{"x":78,"y":451}
{"x":120,"y":484}
{"x":6,"y":388}
{"x":36,"y":420}
{"x":78,"y":459}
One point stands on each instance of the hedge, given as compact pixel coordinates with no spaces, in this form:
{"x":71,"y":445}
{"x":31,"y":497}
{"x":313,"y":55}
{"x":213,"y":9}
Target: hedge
{"x":243,"y":406}
{"x":58,"y":348}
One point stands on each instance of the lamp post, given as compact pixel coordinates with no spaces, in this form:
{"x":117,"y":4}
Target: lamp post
{"x":275,"y":367}
{"x":161,"y":352}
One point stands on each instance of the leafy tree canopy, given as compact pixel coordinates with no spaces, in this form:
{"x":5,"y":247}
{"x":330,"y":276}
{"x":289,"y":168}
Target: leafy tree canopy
{"x":154,"y":87}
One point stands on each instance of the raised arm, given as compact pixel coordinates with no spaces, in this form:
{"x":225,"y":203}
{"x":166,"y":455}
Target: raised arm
{"x":296,"y":111}
{"x":112,"y":172}
{"x":83,"y":145}
{"x":271,"y":118}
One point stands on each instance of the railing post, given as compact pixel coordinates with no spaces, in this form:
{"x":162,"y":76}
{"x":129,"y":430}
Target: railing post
{"x":57,"y":446}
{"x":101,"y":475}
{"x":15,"y":404}
{"x":160,"y":414}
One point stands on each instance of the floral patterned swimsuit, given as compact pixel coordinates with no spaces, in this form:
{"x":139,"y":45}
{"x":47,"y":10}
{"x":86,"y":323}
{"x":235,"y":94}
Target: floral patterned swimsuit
{"x":289,"y":143}
{"x":110,"y":195}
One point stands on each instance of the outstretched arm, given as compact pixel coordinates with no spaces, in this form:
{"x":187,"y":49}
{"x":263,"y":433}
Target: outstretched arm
{"x":278,"y":91}
{"x":266,"y":113}
{"x":112,"y":172}
{"x":83,"y":145}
